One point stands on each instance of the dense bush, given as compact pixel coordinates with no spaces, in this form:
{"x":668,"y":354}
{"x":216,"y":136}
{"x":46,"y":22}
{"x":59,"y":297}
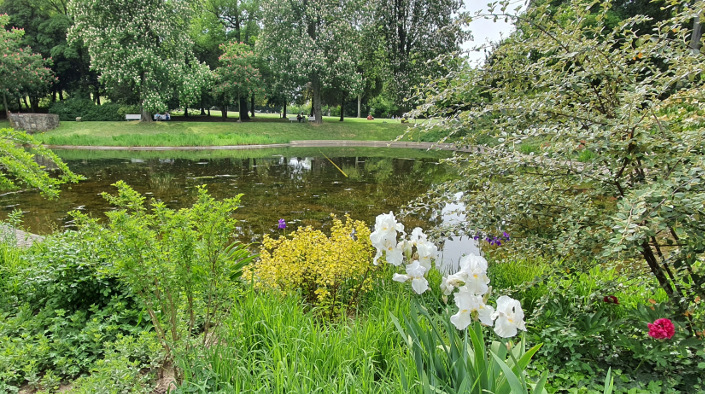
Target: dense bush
{"x":591,"y":321}
{"x":328,"y":271}
{"x":68,"y":271}
{"x":181,"y":265}
{"x":85,"y":109}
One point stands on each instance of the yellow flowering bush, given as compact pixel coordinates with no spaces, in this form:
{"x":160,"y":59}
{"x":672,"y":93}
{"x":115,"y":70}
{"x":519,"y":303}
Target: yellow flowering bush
{"x":328,"y":271}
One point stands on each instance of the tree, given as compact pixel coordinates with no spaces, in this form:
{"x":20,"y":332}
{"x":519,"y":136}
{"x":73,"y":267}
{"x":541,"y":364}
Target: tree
{"x":45,"y":23}
{"x":21,"y":71}
{"x":596,"y":150}
{"x":412,"y":33}
{"x":306,"y":41}
{"x":238,"y":20}
{"x":237,"y":77}
{"x":141,"y":47}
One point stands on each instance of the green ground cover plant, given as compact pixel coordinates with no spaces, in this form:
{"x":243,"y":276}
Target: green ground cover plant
{"x":62,"y":311}
{"x":594,"y":322}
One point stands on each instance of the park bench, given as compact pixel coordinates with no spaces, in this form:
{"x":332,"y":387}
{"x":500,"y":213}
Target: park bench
{"x":133,"y":117}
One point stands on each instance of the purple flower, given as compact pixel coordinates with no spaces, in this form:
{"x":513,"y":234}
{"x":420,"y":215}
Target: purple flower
{"x":505,"y":235}
{"x":282,"y":224}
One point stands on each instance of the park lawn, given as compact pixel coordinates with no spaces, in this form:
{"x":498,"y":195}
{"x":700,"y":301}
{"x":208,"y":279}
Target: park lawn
{"x":265,"y":129}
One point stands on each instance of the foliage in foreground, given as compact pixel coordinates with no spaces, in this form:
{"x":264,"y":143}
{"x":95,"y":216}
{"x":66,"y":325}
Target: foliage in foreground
{"x":20,"y":158}
{"x":591,"y":322}
{"x":271,"y":344}
{"x":181,"y":265}
{"x":572,"y":80}
{"x":63,"y":312}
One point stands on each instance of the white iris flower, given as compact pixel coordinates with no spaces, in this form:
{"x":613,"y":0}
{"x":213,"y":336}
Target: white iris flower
{"x":468,"y":304}
{"x":509,"y":317}
{"x":415,"y":273}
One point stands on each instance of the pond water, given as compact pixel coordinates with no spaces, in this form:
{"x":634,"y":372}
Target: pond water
{"x":302,"y":186}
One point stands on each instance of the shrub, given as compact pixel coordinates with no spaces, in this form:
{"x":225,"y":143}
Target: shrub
{"x":121,"y":370}
{"x":73,"y":108}
{"x":182,"y":265}
{"x":328,"y":271}
{"x":58,"y":343}
{"x":68,"y":271}
{"x":589,"y":322}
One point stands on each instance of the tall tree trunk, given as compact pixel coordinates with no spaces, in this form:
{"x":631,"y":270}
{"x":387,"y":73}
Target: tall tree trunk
{"x":252,"y":105}
{"x":359,"y":106}
{"x":61,"y":95}
{"x":224,"y":112}
{"x":342,"y":107}
{"x":318,"y":116}
{"x":146,"y":117}
{"x":96,"y":94}
{"x":284,"y":111}
{"x":244,"y":116}
{"x":26,"y":104}
{"x":186,"y":111}
{"x":34,"y":104}
{"x":4,"y":105}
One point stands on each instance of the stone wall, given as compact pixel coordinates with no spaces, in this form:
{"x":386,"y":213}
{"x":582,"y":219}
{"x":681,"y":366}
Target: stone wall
{"x":33,"y":123}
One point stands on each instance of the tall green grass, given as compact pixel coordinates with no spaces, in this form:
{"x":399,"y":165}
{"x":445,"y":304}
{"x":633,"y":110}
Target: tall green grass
{"x":271,"y":344}
{"x":262,"y":130}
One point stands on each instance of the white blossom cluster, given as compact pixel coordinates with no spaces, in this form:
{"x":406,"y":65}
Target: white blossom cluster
{"x":469,"y":286}
{"x":141,"y":46}
{"x":312,"y":42}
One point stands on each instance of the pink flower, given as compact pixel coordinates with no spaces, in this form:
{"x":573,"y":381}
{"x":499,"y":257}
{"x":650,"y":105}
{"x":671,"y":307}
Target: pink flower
{"x":661,"y":329}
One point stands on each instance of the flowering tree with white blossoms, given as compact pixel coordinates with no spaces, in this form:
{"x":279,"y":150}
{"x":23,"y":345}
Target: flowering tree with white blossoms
{"x":141,"y":47}
{"x":466,"y":363}
{"x":311,"y":42}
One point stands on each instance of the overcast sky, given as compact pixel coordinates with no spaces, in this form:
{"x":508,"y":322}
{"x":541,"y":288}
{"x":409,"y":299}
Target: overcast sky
{"x":485,"y":31}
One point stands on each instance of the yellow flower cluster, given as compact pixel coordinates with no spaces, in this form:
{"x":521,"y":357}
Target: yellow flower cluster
{"x":328,"y":271}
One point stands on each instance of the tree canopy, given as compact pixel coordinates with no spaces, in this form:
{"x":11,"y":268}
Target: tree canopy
{"x":21,"y":71}
{"x":141,"y":47}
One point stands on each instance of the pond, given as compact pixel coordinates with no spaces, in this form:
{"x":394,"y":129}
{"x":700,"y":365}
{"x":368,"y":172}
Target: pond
{"x":302,"y":186}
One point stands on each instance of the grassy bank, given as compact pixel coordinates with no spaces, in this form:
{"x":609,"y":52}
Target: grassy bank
{"x":265,"y":129}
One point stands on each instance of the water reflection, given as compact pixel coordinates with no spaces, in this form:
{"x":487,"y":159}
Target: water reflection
{"x":455,"y":247}
{"x":302,"y":189}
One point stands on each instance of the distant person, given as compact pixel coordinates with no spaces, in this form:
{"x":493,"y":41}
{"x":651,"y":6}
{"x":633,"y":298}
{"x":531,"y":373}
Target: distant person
{"x":167,"y":116}
{"x":369,"y":117}
{"x":299,"y":117}
{"x":157,"y":116}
